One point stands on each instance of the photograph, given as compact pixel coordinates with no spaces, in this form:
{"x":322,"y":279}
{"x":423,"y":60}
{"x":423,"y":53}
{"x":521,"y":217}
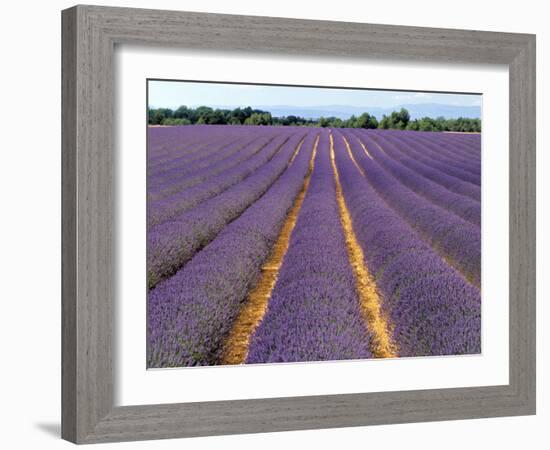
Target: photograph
{"x":291,"y":224}
{"x":271,"y":225}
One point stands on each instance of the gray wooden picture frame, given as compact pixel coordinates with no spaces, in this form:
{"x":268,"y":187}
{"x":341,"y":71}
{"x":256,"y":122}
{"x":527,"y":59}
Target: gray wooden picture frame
{"x":89,"y":37}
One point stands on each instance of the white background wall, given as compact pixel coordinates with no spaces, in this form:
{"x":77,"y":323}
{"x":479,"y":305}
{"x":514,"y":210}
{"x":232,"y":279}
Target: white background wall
{"x":30,"y":222}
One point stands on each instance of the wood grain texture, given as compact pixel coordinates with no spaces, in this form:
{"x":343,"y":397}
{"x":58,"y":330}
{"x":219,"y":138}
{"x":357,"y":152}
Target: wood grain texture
{"x":68,"y":226}
{"x":89,"y":36}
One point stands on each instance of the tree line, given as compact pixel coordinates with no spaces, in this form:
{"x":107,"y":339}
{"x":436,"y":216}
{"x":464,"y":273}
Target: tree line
{"x":397,"y":120}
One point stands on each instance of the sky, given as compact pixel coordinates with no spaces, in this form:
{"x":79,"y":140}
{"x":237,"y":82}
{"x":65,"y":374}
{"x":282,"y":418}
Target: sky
{"x":172,"y":94}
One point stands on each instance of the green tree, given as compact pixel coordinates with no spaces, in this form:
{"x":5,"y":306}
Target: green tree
{"x":183,"y":112}
{"x":259,"y":119}
{"x":396,"y":120}
{"x":365,"y":120}
{"x":323,"y":122}
{"x":215,"y":117}
{"x":400,"y":119}
{"x":385,"y":123}
{"x":176,"y":121}
{"x":157,"y":116}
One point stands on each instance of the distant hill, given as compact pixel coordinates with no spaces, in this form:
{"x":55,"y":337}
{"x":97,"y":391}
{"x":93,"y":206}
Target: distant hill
{"x":416,"y":111}
{"x":344,"y":112}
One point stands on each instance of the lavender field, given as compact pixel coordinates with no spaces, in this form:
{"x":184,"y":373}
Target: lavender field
{"x":271,"y":244}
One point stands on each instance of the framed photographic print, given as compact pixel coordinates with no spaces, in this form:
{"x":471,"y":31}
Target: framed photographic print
{"x":267,"y":230}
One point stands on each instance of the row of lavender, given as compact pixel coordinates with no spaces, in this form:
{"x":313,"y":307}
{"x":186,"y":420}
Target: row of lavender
{"x":314,"y":313}
{"x":414,"y":200}
{"x":199,"y":215}
{"x":190,"y":313}
{"x":455,"y":238}
{"x":433,"y":309}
